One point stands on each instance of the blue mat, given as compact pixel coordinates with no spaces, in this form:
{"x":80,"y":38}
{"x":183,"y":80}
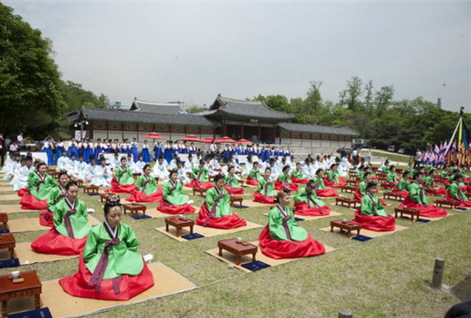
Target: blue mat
{"x":463,"y":209}
{"x":240,"y":207}
{"x":423,"y":220}
{"x":362,"y":238}
{"x":38,"y":313}
{"x":140,"y":217}
{"x":4,"y":231}
{"x":93,"y":194}
{"x":298,"y":219}
{"x":245,"y":186}
{"x":9,"y":262}
{"x":255,"y":266}
{"x":192,"y":236}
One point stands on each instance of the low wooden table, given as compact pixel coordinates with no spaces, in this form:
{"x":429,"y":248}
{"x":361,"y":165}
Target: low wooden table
{"x":344,"y":201}
{"x":4,"y":220}
{"x":31,"y":286}
{"x":352,"y":182}
{"x":443,"y":203}
{"x":179,"y":224}
{"x":346,"y":226}
{"x":90,"y":189}
{"x":134,"y":208}
{"x":105,"y":195}
{"x":201,"y":191}
{"x":239,"y":249}
{"x":392,"y":196}
{"x":7,"y":241}
{"x":234,"y":199}
{"x":408,"y":211}
{"x":348,"y":189}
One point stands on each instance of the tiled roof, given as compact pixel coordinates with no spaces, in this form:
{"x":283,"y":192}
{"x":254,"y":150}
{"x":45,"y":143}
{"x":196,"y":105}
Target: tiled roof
{"x":157,"y":108}
{"x":142,"y":117}
{"x":333,"y":130}
{"x":249,"y":109}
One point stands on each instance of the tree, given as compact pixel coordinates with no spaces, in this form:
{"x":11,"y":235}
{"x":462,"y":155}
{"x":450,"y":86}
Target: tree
{"x":30,"y":97}
{"x":313,"y":101}
{"x":75,"y":97}
{"x":350,"y":97}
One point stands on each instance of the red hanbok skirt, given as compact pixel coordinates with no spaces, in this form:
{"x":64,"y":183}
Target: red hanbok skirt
{"x":301,"y":208}
{"x":22,"y":192}
{"x":279,"y":186}
{"x":251,"y":181}
{"x":225,"y":222}
{"x":436,"y":191}
{"x":357,"y":197}
{"x":327,"y":183}
{"x":57,"y":244}
{"x":168,"y":208}
{"x":428,"y":211}
{"x":139,"y":196}
{"x":289,"y":249}
{"x":129,"y":286}
{"x":389,"y":185}
{"x":29,"y":202}
{"x":403,"y":193}
{"x":46,"y":218}
{"x":375,"y":223}
{"x":297,"y":180}
{"x":326,"y":193}
{"x":460,"y":204}
{"x":122,"y":188}
{"x":194,"y":184}
{"x":263,"y":199}
{"x":234,"y":191}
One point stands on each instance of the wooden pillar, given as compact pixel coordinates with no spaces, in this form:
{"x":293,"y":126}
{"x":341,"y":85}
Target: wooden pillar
{"x":199,"y":131}
{"x":90,"y":131}
{"x":242,"y":130}
{"x":122,"y":130}
{"x":259,"y":133}
{"x":274,"y":133}
{"x":107,"y":127}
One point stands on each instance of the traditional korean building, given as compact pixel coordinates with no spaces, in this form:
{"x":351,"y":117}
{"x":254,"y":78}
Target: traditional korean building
{"x":252,"y":120}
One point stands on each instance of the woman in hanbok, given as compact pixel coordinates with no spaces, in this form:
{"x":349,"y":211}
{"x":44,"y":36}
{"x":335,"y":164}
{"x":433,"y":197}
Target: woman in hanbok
{"x":200,"y":177}
{"x":216,"y":209}
{"x":158,"y":151}
{"x":430,"y":184}
{"x":333,"y":179}
{"x":254,"y":174}
{"x":266,"y":190}
{"x":102,"y":174}
{"x":360,"y":192}
{"x":161,"y":169}
{"x":145,"y":152}
{"x":20,"y":181}
{"x":48,"y":149}
{"x":284,"y":180}
{"x":110,"y":267}
{"x":123,"y":181}
{"x":321,"y":190}
{"x":298,"y":175}
{"x":71,"y":226}
{"x":134,"y":149}
{"x":99,"y":148}
{"x":72,"y":148}
{"x":88,"y":151}
{"x":417,"y":200}
{"x":282,"y":237}
{"x":40,"y":183}
{"x":147,"y":190}
{"x":231,"y":183}
{"x":59,"y":149}
{"x":56,"y":194}
{"x":371,"y":214}
{"x":402,"y":186}
{"x":174,"y":201}
{"x":391,"y":178}
{"x":457,"y":195}
{"x":307,"y":203}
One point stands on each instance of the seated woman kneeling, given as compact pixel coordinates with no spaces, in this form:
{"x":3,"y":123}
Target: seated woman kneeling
{"x":71,"y":226}
{"x":110,"y":267}
{"x":284,"y":180}
{"x":321,"y":190}
{"x":307,"y":203}
{"x":266,"y":191}
{"x":371,"y":214}
{"x":147,"y":188}
{"x":417,"y":199}
{"x":231,"y":183}
{"x":282,"y":237}
{"x":55,"y":195}
{"x":123,"y":181}
{"x":216,"y":210}
{"x":174,"y":201}
{"x":457,"y":195}
{"x":40,"y":183}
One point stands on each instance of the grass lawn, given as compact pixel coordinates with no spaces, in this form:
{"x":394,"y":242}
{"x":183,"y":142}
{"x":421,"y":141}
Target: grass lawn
{"x":384,"y":277}
{"x":391,"y":156}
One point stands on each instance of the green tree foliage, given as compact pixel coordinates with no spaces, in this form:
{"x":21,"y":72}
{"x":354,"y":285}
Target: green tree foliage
{"x":195,"y":109}
{"x":30,"y":97}
{"x":75,"y":97}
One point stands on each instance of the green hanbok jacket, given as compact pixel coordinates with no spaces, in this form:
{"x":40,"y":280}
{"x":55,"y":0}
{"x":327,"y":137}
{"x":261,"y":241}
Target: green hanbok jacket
{"x":298,"y":174}
{"x":146,"y":184}
{"x":57,"y":193}
{"x":123,"y":175}
{"x":78,"y":220}
{"x":456,"y":192}
{"x":266,"y":188}
{"x":122,"y":257}
{"x":277,"y":230}
{"x":403,"y":185}
{"x":367,"y":206}
{"x":319,"y":183}
{"x":333,"y":176}
{"x":173,"y":194}
{"x":228,"y":180}
{"x":391,"y":177}
{"x":284,"y":178}
{"x":254,"y":174}
{"x":362,"y":187}
{"x":303,"y":196}
{"x":223,"y":205}
{"x":417,"y":193}
{"x":38,"y":189}
{"x":201,"y":177}
{"x":428,"y":181}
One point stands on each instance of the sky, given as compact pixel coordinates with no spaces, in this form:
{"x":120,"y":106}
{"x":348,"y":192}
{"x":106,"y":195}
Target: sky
{"x":192,"y":51}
